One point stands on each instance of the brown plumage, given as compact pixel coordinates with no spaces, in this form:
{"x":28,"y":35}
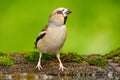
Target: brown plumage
{"x":52,"y":37}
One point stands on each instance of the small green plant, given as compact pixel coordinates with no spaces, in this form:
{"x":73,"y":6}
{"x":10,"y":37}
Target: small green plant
{"x":6,"y":60}
{"x":98,"y":61}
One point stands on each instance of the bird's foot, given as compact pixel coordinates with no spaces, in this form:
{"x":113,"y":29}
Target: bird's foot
{"x":62,"y":68}
{"x":39,"y":67}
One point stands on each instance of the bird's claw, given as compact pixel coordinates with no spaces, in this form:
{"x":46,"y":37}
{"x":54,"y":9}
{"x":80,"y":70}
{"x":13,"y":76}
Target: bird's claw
{"x":39,"y":67}
{"x":62,"y":68}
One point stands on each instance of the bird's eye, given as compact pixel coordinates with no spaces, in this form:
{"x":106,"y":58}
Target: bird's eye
{"x":59,"y":12}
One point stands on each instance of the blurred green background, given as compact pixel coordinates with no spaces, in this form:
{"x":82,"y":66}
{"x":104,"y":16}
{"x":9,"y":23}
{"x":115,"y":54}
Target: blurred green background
{"x":93,"y":27}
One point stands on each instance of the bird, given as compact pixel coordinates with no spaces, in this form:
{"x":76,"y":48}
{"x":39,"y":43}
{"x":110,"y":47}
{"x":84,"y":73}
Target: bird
{"x":53,"y":35}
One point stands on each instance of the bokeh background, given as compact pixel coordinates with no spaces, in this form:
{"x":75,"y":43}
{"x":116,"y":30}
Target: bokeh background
{"x":93,"y":27}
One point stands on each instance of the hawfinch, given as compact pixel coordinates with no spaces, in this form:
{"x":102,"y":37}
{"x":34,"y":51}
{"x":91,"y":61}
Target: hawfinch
{"x":52,"y":37}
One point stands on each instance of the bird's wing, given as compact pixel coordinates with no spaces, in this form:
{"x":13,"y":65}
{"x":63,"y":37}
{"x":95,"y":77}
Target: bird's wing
{"x":41,"y":35}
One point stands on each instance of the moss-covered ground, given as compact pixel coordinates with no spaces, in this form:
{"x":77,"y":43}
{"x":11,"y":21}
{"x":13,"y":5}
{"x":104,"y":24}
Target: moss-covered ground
{"x":28,"y":60}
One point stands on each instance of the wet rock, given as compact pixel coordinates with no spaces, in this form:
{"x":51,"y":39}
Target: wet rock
{"x":115,"y":67}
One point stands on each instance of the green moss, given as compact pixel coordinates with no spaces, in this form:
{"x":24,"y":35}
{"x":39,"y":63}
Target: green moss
{"x":112,"y":54}
{"x":2,"y":53}
{"x":33,"y":56}
{"x":6,"y":60}
{"x":116,"y":59}
{"x":66,"y":57}
{"x":73,"y":57}
{"x":98,"y":61}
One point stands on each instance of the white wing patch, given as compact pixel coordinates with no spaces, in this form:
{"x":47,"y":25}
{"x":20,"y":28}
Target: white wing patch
{"x":40,"y":36}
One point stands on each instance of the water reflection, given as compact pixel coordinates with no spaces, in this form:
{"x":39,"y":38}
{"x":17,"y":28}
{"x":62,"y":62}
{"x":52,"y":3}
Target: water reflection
{"x":76,"y":75}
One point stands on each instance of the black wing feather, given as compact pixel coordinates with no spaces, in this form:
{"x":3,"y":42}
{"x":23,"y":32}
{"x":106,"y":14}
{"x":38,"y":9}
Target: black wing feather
{"x":39,"y":37}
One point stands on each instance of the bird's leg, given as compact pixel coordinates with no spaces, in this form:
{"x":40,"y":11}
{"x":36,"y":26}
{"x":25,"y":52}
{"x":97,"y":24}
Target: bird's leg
{"x":39,"y":62}
{"x":61,"y":67}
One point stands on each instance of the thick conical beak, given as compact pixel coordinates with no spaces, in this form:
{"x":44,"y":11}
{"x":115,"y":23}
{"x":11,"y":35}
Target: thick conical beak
{"x":68,"y":11}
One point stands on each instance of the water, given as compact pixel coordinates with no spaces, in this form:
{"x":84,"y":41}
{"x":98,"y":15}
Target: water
{"x":74,"y":76}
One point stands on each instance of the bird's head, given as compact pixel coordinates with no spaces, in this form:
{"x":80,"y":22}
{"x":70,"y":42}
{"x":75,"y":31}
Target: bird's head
{"x":59,"y":16}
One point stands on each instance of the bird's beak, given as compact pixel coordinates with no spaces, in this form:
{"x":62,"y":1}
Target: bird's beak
{"x":68,"y":11}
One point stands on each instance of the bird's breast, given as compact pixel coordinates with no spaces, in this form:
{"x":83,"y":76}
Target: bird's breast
{"x":53,"y":40}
